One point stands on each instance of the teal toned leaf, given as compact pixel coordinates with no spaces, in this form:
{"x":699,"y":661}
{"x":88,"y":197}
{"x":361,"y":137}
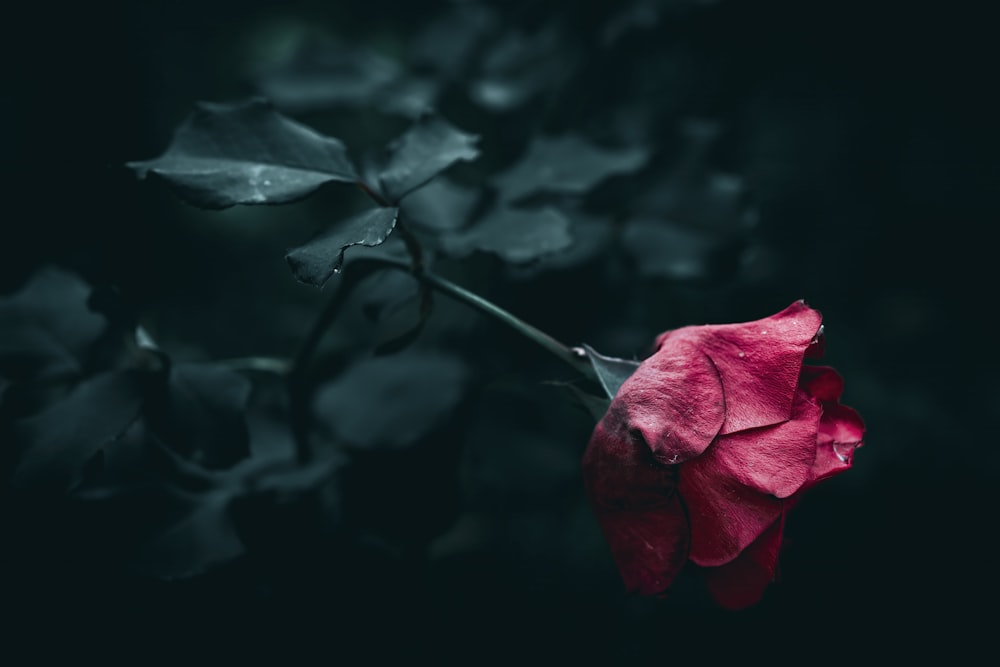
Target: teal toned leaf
{"x":515,"y":235}
{"x":247,"y":153}
{"x":314,"y":262}
{"x":611,"y":371}
{"x":429,"y":147}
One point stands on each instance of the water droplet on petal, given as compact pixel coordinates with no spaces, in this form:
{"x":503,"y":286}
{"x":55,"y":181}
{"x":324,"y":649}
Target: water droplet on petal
{"x":844,"y":451}
{"x":742,"y":354}
{"x":819,"y":334}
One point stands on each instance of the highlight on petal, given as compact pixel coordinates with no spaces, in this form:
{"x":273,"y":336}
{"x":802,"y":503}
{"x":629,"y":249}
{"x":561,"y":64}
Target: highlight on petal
{"x":759,"y":362}
{"x":726,"y":516}
{"x":777,"y":459}
{"x":742,"y":582}
{"x":841,"y":431}
{"x":674,"y":401}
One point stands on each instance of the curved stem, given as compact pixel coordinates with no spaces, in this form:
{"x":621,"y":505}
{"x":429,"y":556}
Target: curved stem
{"x":568,"y":354}
{"x":575,"y":357}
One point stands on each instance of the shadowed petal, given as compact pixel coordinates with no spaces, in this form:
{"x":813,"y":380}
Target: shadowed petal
{"x":822,"y":383}
{"x":649,"y":546}
{"x":726,"y":516}
{"x":742,"y":582}
{"x":638,"y":509}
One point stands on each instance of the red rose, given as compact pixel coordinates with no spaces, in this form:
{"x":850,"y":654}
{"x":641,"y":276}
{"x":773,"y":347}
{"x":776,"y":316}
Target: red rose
{"x":709,"y":443}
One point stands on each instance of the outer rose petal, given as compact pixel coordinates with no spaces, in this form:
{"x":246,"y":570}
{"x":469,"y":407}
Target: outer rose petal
{"x":638,"y":508}
{"x":725,"y":515}
{"x":759,"y":362}
{"x":773,"y":459}
{"x":742,"y":582}
{"x":649,"y":547}
{"x":674,"y":401}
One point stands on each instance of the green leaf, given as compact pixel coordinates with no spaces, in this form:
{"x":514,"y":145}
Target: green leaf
{"x":515,"y":235}
{"x":429,"y":147}
{"x":314,"y":262}
{"x":611,"y":371}
{"x":566,"y":165}
{"x":247,"y":153}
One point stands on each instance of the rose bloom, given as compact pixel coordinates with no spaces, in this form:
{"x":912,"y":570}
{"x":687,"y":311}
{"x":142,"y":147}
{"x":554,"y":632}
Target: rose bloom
{"x":707,"y":446}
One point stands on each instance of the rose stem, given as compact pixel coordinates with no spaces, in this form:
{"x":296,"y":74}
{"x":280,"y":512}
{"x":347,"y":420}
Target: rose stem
{"x":363,"y":266}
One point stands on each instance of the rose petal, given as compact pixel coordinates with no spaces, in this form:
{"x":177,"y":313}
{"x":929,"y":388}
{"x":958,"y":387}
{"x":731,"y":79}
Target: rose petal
{"x":674,"y":402}
{"x":759,"y":362}
{"x":726,"y":516}
{"x":649,"y":547}
{"x":841,"y":431}
{"x":742,"y":582}
{"x":619,"y":472}
{"x":775,"y":459}
{"x":821,"y":382}
{"x":638,"y":509}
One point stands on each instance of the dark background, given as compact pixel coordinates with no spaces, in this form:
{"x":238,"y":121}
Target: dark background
{"x":867,"y":134}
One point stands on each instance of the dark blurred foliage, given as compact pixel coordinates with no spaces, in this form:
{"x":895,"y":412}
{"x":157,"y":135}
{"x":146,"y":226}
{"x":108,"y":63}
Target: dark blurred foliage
{"x":842,"y":153}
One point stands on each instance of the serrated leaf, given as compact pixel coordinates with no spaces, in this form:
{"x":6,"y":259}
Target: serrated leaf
{"x":440,"y":206}
{"x":57,"y":442}
{"x":566,"y":165}
{"x":429,"y":147}
{"x":611,"y":371}
{"x":515,"y":235}
{"x":201,"y":414}
{"x":391,"y":402}
{"x":314,"y":262}
{"x":47,"y":329}
{"x":247,"y":153}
